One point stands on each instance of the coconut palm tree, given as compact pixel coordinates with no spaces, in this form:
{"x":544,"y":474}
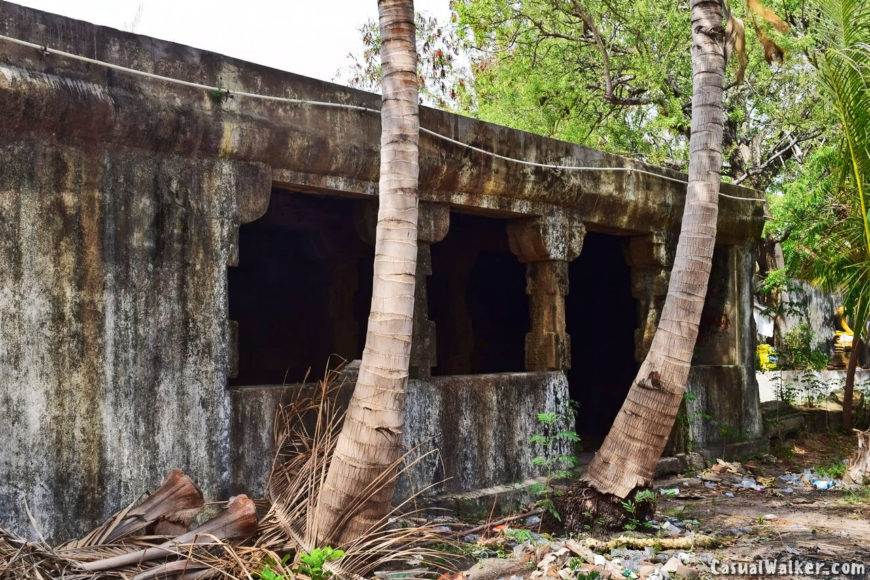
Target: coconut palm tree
{"x":358,"y":490}
{"x":628,"y":456}
{"x":822,"y":217}
{"x":845,"y":72}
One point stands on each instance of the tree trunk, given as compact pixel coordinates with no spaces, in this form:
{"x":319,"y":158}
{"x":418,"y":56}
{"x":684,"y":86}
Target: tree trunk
{"x":370,"y":439}
{"x":849,"y":387}
{"x":628,"y":457}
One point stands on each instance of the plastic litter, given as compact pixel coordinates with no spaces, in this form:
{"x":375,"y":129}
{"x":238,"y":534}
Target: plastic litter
{"x":670,"y":529}
{"x":750,"y":483}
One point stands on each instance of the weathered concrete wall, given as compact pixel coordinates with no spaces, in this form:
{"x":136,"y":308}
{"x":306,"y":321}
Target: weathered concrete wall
{"x":121,"y":198}
{"x":113,"y":322}
{"x":310,"y":147}
{"x":816,"y":308}
{"x":723,"y":411}
{"x":821,"y":382}
{"x":480,"y":424}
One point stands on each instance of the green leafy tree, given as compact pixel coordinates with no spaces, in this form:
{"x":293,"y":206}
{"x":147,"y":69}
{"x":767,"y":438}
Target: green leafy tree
{"x":442,"y":68}
{"x":614,"y":75}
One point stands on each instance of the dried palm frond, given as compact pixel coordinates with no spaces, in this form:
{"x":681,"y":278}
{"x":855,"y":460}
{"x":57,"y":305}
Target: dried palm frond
{"x":773,"y":52}
{"x":769,"y":16}
{"x":307,"y":440}
{"x":20,"y":558}
{"x":736,"y":44}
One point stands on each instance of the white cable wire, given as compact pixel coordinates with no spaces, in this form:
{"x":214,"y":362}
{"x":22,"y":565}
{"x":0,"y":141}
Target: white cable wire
{"x":47,"y":50}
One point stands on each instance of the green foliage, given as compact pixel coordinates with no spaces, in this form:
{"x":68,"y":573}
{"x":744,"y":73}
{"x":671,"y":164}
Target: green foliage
{"x":518,"y":535}
{"x":645,"y":496}
{"x":442,"y":71}
{"x":617,"y":77}
{"x":822,"y":217}
{"x":554,"y":464}
{"x":834,"y":470}
{"x":797,"y":351}
{"x":312,"y":563}
{"x":632,"y":506}
{"x":218,"y":97}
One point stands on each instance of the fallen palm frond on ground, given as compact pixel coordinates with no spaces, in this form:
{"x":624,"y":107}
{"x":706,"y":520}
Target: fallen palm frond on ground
{"x":171,"y":533}
{"x":639,"y":542}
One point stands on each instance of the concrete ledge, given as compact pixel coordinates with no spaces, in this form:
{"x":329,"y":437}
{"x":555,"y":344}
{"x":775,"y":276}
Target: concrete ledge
{"x":481,"y":425}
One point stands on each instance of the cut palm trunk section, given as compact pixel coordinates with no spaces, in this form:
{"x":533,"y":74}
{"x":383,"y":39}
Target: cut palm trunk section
{"x":177,"y":493}
{"x":858,"y":470}
{"x":237,"y":521}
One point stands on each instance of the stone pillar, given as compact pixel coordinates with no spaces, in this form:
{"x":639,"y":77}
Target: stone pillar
{"x":650,"y":258}
{"x":432,"y":225}
{"x":547,"y":244}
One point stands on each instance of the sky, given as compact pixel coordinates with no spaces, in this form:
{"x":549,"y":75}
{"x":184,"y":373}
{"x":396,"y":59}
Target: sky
{"x":308,"y":37}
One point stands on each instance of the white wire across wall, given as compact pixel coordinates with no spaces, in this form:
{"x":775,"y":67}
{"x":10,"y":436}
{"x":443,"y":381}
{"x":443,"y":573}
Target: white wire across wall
{"x":326,"y":104}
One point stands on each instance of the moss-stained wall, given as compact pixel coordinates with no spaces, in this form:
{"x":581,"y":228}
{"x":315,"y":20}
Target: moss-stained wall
{"x":113,"y":334}
{"x":120,"y":201}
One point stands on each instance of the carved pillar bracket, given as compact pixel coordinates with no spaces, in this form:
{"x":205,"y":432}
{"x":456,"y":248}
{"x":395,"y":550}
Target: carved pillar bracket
{"x":432,"y":225}
{"x":547,"y":244}
{"x":650,"y":258}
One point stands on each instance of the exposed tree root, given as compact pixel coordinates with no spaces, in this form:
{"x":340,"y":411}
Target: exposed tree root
{"x":858,"y":471}
{"x":582,"y":508}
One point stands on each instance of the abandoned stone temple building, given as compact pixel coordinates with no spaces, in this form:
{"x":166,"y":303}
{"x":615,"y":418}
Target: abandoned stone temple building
{"x":173,"y":262}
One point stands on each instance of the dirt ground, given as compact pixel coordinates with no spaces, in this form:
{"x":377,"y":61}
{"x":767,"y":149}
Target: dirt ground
{"x":764,"y":510}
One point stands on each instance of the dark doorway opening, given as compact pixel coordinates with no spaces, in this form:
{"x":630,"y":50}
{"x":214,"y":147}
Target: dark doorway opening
{"x":301,"y":291}
{"x":601,"y":317}
{"x":477,"y":299}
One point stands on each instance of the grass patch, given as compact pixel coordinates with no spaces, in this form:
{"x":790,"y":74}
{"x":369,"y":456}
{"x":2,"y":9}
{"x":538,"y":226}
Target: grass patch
{"x":834,"y":470}
{"x":856,"y":497}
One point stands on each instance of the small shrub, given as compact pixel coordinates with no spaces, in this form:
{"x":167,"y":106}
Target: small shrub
{"x":312,"y":563}
{"x":554,"y":466}
{"x":636,"y":509}
{"x":797,"y":353}
{"x":519,"y":536}
{"x":267,"y":573}
{"x":834,"y":470}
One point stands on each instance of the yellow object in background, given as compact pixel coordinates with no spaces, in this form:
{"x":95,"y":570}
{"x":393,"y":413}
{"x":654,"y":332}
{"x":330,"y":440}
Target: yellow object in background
{"x":766,"y":355}
{"x":844,"y":325}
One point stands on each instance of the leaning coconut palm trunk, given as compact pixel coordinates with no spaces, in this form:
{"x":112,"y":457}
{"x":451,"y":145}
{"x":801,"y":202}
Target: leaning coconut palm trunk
{"x":628,"y":457}
{"x":369,"y":443}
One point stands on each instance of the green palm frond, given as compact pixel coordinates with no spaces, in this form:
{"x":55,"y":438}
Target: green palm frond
{"x":844,"y":71}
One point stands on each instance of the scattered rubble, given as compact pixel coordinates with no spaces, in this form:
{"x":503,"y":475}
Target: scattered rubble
{"x":728,"y":511}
